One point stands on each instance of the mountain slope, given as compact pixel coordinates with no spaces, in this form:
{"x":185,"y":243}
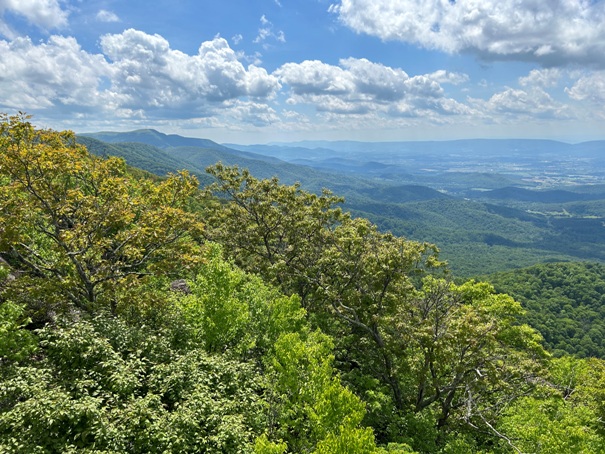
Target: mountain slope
{"x":475,"y":237}
{"x":153,"y":137}
{"x":141,"y":155}
{"x":564,"y":302}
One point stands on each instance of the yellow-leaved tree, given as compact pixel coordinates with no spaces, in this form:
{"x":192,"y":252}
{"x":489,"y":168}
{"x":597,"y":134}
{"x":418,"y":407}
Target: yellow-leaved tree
{"x":78,"y":229}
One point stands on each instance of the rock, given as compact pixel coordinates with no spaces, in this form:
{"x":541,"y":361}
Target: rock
{"x":180,"y":285}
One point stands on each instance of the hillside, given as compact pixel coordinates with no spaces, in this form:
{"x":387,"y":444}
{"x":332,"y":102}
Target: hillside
{"x":153,"y":137}
{"x":160,"y":153}
{"x":143,"y":315}
{"x":565,"y":302}
{"x":140,"y":155}
{"x":509,"y":223}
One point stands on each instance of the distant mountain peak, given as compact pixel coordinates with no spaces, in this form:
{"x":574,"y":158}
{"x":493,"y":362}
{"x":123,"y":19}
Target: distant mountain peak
{"x":153,"y":137}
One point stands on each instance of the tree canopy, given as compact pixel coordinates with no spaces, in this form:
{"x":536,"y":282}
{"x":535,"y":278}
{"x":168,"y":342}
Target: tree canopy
{"x":146,"y":315}
{"x":564,"y":301}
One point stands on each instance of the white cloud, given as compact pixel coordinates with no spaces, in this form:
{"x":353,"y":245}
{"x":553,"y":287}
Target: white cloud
{"x":518,"y":104}
{"x":554,"y":32}
{"x":107,"y":16}
{"x":591,"y":88}
{"x":151,"y":74}
{"x":138,"y":79}
{"x":51,"y":75}
{"x":424,"y":87}
{"x":315,"y":77}
{"x":362,"y":87}
{"x":448,"y":77}
{"x":263,"y":34}
{"x":45,"y":14}
{"x":548,"y":77}
{"x":266,"y":33}
{"x":257,"y":114}
{"x":376,"y":80}
{"x":138,"y":75}
{"x":237,"y":39}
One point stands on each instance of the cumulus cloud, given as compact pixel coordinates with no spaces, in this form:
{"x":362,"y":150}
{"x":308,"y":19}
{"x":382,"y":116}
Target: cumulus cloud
{"x":376,"y":80}
{"x":542,"y":77}
{"x":45,"y":14}
{"x":107,"y":16}
{"x":151,"y":74}
{"x":257,"y":114}
{"x":315,"y":77}
{"x":531,"y":103}
{"x":359,"y":86}
{"x":52,"y":74}
{"x":138,"y":75}
{"x":449,"y":77}
{"x":591,"y":88}
{"x":553,"y":33}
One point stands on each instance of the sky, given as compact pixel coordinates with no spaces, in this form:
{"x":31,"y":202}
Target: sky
{"x":257,"y":71}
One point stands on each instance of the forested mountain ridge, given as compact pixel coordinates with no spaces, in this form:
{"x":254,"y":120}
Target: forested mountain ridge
{"x":564,"y":301}
{"x":141,"y":315}
{"x":429,"y":195}
{"x":155,"y":138}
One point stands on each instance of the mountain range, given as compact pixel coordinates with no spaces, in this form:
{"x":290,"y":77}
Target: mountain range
{"x":489,"y":205}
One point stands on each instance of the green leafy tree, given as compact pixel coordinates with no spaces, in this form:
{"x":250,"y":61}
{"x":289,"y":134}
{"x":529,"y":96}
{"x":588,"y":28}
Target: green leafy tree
{"x":81,"y":228}
{"x":236,"y":314}
{"x":16,"y":343}
{"x":467,"y":355}
{"x":271,"y":229}
{"x":564,"y":301}
{"x":105,"y":386}
{"x":565,"y":415}
{"x":309,"y":409}
{"x":454,"y":355}
{"x":229,"y":309}
{"x":343,"y":269}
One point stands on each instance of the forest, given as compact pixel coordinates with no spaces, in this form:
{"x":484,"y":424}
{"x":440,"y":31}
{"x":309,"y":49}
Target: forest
{"x":153,"y":314}
{"x":490,"y":205}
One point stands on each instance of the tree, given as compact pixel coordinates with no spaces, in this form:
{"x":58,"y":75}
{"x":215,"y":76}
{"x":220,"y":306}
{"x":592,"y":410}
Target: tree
{"x":267,"y":228}
{"x":307,"y":406}
{"x":107,"y":386}
{"x":467,"y":354}
{"x":407,"y":345}
{"x":309,"y":409}
{"x":16,"y":342}
{"x":348,"y":275}
{"x":80,"y":228}
{"x":564,"y":301}
{"x":565,"y":415}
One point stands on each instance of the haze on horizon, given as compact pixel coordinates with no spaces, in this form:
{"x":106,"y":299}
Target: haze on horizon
{"x":279,"y":70}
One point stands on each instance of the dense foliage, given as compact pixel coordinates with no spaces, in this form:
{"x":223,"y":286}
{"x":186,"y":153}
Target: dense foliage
{"x":506,"y":228}
{"x":565,"y":302}
{"x":147,"y":316}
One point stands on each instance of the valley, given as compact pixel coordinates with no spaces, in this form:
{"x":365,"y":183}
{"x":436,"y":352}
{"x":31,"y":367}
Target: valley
{"x":489,"y":205}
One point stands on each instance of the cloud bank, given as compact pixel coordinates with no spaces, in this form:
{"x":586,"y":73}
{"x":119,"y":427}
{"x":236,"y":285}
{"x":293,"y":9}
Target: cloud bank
{"x":550,"y":32}
{"x":134,"y":77}
{"x":45,"y":14}
{"x":359,"y":86}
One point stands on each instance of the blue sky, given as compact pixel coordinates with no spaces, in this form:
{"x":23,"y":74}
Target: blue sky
{"x":278,"y":70}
